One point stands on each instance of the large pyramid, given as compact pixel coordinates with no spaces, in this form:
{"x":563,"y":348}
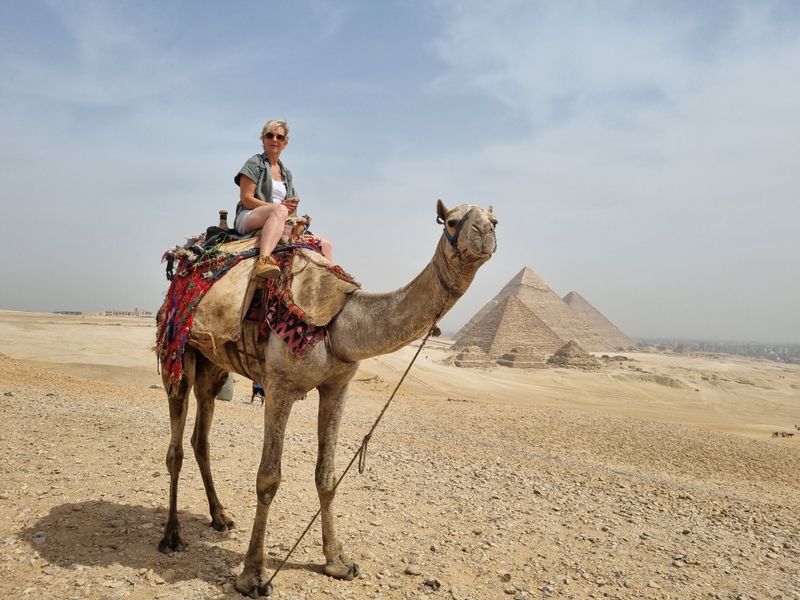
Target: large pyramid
{"x":536,"y":295}
{"x":599,"y":323}
{"x":510,"y":324}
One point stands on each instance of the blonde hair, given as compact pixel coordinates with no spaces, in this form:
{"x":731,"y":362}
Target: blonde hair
{"x":273,"y":125}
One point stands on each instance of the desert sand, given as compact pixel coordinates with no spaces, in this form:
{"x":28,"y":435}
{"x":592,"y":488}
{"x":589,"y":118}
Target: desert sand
{"x":655,"y":477}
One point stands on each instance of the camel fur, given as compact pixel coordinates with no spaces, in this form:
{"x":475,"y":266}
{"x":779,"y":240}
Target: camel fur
{"x":369,"y":324}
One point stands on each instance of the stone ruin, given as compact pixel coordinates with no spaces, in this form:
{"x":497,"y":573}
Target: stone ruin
{"x":598,"y":322}
{"x":509,"y":325}
{"x":472,"y":357}
{"x":527,"y":322}
{"x":550,"y":312}
{"x":522,"y":358}
{"x":572,"y":356}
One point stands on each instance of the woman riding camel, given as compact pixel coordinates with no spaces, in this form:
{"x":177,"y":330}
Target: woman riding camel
{"x":267,"y":198}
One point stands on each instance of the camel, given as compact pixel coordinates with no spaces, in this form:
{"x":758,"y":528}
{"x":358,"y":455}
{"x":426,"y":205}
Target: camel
{"x":369,"y":324}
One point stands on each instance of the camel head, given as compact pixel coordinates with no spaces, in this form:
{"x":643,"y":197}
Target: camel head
{"x":468,"y":232}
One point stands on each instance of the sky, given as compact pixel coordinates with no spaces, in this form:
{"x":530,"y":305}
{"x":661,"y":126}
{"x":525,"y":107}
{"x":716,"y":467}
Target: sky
{"x":643,"y":154}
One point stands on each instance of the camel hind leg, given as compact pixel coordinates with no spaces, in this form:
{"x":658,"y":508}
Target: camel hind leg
{"x":209,"y":380}
{"x":178,"y":406}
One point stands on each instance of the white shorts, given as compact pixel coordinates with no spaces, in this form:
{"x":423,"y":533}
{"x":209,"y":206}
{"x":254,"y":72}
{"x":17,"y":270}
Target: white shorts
{"x":241,"y":218}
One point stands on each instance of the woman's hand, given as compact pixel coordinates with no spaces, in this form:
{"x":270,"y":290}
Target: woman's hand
{"x":291,"y":203}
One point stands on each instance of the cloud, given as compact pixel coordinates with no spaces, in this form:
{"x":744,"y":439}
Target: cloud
{"x":650,"y":145}
{"x":641,"y":154}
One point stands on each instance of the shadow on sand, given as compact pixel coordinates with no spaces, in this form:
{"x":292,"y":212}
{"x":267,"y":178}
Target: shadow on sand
{"x":102,"y":533}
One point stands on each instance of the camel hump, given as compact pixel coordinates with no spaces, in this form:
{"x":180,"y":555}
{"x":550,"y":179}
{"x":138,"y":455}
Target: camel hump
{"x":319,"y":288}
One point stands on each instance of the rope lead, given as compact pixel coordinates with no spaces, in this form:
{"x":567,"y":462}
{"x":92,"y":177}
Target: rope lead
{"x":361,"y":453}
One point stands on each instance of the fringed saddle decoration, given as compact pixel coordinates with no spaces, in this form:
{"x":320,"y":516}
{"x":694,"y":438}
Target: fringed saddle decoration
{"x":281,"y":314}
{"x":188,"y":285}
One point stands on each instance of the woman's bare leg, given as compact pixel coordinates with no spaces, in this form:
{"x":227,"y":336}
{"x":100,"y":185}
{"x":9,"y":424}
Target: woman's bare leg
{"x":270,"y":218}
{"x":327,"y":248}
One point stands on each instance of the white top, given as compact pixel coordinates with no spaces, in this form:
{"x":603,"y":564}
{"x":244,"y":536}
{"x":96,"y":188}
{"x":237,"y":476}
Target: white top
{"x":278,"y":191}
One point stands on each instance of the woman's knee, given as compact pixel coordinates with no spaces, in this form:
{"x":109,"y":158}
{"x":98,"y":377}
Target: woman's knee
{"x":260,"y":215}
{"x":281,"y":211}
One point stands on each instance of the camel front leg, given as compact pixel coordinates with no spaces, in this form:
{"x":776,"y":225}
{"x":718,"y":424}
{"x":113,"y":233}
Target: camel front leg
{"x":208,"y":382}
{"x":253,"y":579}
{"x":331,"y":407}
{"x":178,"y":405}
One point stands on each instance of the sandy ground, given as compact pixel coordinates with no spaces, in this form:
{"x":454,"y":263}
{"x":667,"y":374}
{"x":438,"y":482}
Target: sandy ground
{"x":656,"y":477}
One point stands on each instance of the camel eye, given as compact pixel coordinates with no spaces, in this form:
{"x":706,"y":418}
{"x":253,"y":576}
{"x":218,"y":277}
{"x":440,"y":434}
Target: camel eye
{"x":493,"y":221}
{"x":452,"y":222}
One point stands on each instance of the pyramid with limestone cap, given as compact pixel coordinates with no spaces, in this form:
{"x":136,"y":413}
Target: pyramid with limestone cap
{"x":507,"y":326}
{"x":598,"y":322}
{"x":526,"y":277}
{"x":530,"y":289}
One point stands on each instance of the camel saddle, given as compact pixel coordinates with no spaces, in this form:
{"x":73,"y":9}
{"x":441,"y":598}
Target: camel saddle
{"x":316,"y":288}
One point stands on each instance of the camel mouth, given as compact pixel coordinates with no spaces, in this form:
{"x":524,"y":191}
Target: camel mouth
{"x":483,"y":243}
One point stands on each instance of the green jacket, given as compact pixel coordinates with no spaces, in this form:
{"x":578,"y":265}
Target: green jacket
{"x":256,"y":168}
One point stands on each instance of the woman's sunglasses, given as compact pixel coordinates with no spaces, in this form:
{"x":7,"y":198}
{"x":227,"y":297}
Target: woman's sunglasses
{"x":274,"y":136}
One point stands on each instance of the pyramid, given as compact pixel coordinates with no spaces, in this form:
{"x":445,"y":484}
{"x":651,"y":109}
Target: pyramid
{"x":536,"y":295}
{"x":572,"y":356}
{"x":522,"y":358}
{"x":471,"y":356}
{"x":598,"y":322}
{"x":507,"y":325}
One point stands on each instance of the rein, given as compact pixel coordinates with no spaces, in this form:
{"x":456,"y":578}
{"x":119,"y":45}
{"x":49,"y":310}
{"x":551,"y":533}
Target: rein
{"x":361,"y":453}
{"x":454,"y":238}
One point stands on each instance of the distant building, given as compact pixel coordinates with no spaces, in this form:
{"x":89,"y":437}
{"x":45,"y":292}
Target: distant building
{"x":136,"y":312}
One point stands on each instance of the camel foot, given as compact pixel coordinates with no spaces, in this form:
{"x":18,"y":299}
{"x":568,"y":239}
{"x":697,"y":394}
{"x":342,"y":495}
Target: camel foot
{"x":222,"y":522}
{"x":341,"y":567}
{"x":254,"y":583}
{"x":171,"y":542}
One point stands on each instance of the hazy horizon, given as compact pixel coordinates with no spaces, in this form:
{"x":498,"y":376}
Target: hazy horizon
{"x":643,"y":155}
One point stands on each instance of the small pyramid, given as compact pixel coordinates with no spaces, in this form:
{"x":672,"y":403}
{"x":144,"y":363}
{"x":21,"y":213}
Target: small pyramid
{"x":507,"y":325}
{"x":572,"y":356}
{"x":598,"y":322}
{"x":536,"y":295}
{"x":472,"y":357}
{"x":522,"y":358}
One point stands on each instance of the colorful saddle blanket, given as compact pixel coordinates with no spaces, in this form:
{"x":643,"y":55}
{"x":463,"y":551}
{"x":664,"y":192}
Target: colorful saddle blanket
{"x":210,"y":295}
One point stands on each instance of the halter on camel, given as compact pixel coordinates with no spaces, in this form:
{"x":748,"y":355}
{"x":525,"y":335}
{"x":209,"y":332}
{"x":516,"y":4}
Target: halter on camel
{"x":453,"y":239}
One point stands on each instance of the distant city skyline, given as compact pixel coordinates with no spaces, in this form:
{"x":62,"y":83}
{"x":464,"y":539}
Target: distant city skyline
{"x":640,"y":154}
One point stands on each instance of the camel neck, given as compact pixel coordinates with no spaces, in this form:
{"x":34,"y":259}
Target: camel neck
{"x":372,"y":324}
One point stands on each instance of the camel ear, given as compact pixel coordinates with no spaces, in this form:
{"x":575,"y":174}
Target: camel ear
{"x":441,"y":211}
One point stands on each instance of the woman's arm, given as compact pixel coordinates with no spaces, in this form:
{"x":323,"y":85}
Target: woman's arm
{"x":247,"y":193}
